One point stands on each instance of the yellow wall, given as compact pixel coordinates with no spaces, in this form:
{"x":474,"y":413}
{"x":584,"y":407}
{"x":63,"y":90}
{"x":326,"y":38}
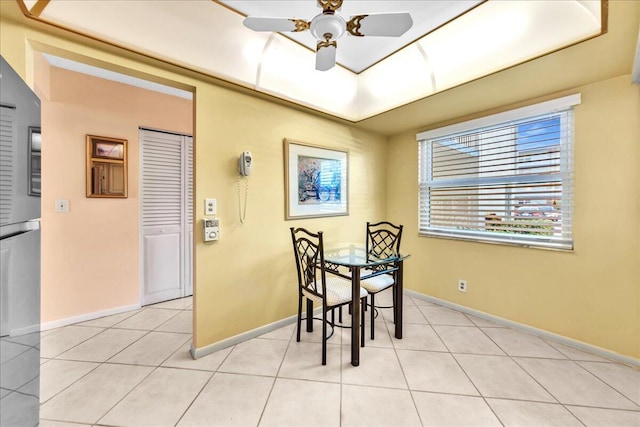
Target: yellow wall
{"x":590,"y":294}
{"x":247,"y":279}
{"x":593,"y":293}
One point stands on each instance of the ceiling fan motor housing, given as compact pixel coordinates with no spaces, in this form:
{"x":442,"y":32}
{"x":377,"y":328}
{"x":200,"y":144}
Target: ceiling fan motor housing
{"x":328,"y":27}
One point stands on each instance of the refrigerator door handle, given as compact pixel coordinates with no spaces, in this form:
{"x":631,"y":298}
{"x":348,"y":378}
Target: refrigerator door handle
{"x":12,"y":230}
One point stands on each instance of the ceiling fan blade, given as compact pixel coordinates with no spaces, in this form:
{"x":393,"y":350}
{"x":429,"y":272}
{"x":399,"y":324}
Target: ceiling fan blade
{"x":380,"y":24}
{"x":278,"y":25}
{"x":326,"y":55}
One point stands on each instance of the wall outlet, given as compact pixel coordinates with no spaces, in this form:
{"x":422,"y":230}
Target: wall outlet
{"x":462,"y":285}
{"x":210,"y":206}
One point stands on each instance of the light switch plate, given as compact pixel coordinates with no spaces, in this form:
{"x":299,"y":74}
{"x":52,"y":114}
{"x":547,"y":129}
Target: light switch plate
{"x":62,"y":205}
{"x":210,"y":206}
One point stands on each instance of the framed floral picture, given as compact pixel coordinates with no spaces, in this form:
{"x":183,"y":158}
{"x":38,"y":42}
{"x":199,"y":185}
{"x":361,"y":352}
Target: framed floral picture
{"x":316,"y":181}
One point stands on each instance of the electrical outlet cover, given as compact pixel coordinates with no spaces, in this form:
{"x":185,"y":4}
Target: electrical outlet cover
{"x":210,"y":206}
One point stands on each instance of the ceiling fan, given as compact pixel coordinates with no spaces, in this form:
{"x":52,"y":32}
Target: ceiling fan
{"x":329,"y":27}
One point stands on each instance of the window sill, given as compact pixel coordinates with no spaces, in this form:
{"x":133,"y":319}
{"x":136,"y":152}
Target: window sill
{"x":556,"y":247}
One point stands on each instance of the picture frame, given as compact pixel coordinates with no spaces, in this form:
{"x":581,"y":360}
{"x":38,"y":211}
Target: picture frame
{"x":34,"y":167}
{"x":316,"y":180}
{"x":106,"y":167}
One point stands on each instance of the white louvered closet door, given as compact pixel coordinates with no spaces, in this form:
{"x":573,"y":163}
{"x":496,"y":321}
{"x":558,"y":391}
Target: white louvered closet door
{"x":166,"y":206}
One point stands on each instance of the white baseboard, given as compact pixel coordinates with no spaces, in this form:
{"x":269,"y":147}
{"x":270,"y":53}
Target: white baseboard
{"x":24,"y":331}
{"x":598,"y":351}
{"x":86,"y":317}
{"x":197,"y":353}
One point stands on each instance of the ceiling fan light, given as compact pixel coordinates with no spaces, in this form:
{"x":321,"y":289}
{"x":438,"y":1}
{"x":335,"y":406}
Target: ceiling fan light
{"x":334,"y":25}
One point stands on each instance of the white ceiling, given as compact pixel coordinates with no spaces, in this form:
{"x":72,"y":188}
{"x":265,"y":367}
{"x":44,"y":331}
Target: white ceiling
{"x":359,"y":53}
{"x":209,"y":37}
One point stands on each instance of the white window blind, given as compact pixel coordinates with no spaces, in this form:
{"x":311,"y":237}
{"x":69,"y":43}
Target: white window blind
{"x":505,"y":178}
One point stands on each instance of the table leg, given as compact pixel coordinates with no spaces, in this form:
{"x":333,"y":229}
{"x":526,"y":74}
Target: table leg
{"x":355,"y":316}
{"x":398,"y":306}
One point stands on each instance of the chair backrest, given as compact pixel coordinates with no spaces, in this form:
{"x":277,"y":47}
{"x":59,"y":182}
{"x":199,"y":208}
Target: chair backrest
{"x":308,"y":250}
{"x":383,"y":239}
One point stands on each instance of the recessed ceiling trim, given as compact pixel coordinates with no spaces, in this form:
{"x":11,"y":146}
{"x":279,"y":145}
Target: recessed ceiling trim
{"x":44,"y":48}
{"x":39,"y":7}
{"x":217,"y":63}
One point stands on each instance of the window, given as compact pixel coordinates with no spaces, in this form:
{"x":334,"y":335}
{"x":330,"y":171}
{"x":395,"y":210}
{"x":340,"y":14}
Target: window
{"x":504,"y":178}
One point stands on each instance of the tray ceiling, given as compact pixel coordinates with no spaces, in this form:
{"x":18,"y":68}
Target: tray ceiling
{"x":359,"y":53}
{"x":450,"y":43}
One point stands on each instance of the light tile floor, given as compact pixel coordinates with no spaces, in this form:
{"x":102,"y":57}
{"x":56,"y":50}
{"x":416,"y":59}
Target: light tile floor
{"x":451,"y":369}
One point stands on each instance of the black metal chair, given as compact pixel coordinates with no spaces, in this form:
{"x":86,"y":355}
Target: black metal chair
{"x":383,"y":241}
{"x":319,"y":281}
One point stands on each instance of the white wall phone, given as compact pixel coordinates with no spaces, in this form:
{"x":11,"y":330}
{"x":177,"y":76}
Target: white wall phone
{"x":244,"y":163}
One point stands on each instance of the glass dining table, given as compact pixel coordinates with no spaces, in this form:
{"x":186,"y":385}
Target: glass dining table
{"x":355,"y":258}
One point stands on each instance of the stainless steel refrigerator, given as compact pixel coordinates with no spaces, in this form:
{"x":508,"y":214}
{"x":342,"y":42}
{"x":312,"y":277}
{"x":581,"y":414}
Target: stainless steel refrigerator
{"x":20,"y":179}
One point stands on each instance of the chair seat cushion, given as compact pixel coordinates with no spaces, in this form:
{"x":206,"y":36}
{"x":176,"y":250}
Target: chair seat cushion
{"x":338,"y":291}
{"x":376,"y":283}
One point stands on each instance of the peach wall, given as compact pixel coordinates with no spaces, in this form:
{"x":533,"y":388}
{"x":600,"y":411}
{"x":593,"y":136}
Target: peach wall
{"x":90,"y":259}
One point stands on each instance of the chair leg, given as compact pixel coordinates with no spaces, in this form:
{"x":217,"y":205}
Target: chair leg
{"x":340,"y":315}
{"x":299,"y":318}
{"x":333,"y":316}
{"x":373,"y":310}
{"x":309,"y":315}
{"x":324,"y":336}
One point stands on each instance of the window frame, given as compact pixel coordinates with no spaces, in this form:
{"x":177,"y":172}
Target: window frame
{"x":550,"y":108}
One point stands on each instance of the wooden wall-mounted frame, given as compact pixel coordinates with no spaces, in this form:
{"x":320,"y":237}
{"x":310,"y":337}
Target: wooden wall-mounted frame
{"x":106,"y":167}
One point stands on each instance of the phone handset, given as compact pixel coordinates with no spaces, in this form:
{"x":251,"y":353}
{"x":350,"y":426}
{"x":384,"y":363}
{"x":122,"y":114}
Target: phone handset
{"x":245,"y":163}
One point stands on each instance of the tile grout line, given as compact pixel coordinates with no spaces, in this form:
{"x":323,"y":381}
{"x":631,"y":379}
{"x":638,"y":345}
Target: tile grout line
{"x":513,"y":359}
{"x":155,"y":368}
{"x":404,"y":375}
{"x":484,"y":399}
{"x":273,"y":384}
{"x":525,"y":371}
{"x":343,"y":357}
{"x":101,"y":363}
{"x":213,"y":374}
